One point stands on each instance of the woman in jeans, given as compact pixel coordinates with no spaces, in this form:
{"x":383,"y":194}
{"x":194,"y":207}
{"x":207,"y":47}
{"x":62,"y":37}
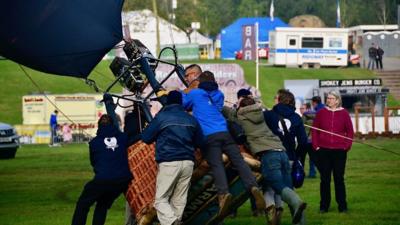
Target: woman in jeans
{"x":332,"y":149}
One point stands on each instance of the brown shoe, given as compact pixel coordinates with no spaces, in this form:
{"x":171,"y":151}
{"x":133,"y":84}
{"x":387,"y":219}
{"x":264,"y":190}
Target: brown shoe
{"x":270,"y":213}
{"x":258,"y":197}
{"x":225,"y":201}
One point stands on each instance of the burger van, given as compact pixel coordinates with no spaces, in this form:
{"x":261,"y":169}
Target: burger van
{"x":315,"y":47}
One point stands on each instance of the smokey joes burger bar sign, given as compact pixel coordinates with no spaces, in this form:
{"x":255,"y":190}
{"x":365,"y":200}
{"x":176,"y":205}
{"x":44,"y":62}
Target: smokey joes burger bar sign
{"x":350,"y":83}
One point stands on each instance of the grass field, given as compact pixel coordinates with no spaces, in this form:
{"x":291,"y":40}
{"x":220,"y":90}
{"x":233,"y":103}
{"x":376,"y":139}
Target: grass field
{"x":16,"y":84}
{"x":41,"y":185}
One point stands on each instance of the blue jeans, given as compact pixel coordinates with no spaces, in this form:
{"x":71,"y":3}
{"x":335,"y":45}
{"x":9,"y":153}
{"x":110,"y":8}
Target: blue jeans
{"x":275,"y":169}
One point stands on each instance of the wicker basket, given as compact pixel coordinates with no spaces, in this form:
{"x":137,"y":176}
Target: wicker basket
{"x":141,"y":191}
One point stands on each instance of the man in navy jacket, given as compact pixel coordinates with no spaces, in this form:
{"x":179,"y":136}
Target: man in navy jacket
{"x":176,"y":134}
{"x":285,"y":108}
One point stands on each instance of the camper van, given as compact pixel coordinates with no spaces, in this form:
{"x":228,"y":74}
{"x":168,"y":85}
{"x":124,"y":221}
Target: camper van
{"x":307,"y":47}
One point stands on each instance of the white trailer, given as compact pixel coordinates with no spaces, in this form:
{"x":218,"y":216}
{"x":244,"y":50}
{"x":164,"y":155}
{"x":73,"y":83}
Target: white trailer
{"x":292,"y":46}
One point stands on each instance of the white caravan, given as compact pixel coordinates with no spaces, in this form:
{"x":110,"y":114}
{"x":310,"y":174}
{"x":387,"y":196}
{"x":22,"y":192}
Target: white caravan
{"x":292,"y":46}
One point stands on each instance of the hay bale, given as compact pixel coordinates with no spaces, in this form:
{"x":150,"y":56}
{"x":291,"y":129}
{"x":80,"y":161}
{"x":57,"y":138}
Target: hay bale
{"x":306,"y":21}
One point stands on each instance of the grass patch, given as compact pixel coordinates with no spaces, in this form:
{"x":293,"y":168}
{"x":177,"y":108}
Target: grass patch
{"x":42,"y":184}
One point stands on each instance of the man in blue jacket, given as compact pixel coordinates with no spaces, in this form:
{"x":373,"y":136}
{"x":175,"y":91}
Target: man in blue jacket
{"x":53,"y":128}
{"x":206,"y":103}
{"x":108,"y":157}
{"x":176,"y":134}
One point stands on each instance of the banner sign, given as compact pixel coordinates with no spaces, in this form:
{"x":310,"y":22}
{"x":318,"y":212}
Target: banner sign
{"x":350,"y":83}
{"x":249,"y":42}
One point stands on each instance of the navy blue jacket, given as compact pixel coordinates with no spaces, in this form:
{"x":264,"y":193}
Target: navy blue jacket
{"x":108,"y":154}
{"x":176,"y":134}
{"x":294,"y":124}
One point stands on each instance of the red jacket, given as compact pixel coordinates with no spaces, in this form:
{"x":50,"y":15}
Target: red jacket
{"x":338,"y":122}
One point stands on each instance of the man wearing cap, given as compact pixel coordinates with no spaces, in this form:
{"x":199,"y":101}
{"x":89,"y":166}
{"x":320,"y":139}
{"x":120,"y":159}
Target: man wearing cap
{"x":176,"y":134}
{"x":206,"y":102}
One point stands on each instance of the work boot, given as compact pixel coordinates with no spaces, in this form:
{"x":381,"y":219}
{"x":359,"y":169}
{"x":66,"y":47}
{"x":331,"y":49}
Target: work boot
{"x":270,"y":213}
{"x":225,"y":201}
{"x":278,"y":215}
{"x":291,"y":198}
{"x":258,"y":197}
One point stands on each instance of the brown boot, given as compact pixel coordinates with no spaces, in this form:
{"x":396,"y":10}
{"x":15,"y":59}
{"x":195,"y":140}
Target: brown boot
{"x":270,"y":213}
{"x":225,"y":201}
{"x":258,"y":197}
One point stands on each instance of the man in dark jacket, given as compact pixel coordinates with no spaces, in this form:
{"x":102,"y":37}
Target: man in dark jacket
{"x":285,"y":110}
{"x":379,"y":57}
{"x":108,"y":157}
{"x":176,"y":134}
{"x":372,"y":53}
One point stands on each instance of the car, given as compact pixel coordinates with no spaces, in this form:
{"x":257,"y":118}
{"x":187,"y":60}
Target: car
{"x":9,"y":141}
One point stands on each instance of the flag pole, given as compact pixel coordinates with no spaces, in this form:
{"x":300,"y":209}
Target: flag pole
{"x":257,"y":60}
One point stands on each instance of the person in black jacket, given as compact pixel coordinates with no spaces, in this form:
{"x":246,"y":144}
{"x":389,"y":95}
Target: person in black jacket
{"x":379,"y":57}
{"x":108,"y":157}
{"x":285,"y":109}
{"x":372,"y":54}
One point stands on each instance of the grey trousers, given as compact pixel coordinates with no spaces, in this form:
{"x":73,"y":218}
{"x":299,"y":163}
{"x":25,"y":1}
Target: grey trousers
{"x":172,"y":186}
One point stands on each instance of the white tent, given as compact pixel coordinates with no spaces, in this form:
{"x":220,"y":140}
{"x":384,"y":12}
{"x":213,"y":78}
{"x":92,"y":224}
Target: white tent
{"x":200,"y":39}
{"x":142,"y":26}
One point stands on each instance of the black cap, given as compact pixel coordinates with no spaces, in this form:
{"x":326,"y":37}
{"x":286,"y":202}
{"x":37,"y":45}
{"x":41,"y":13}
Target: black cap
{"x":243,"y":92}
{"x":174,"y":97}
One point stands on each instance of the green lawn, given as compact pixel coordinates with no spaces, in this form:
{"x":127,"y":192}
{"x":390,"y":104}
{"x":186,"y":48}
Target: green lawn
{"x":41,"y":185}
{"x":16,"y":84}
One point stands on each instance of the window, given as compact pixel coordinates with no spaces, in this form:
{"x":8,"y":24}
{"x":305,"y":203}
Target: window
{"x":335,"y":43}
{"x":312,"y":42}
{"x":292,"y":42}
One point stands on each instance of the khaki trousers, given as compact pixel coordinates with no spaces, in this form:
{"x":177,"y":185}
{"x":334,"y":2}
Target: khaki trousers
{"x":173,"y":180}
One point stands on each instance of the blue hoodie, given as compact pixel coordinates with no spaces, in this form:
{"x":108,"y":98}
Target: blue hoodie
{"x":206,"y":103}
{"x":294,"y":124}
{"x":319,"y":107}
{"x":108,"y":154}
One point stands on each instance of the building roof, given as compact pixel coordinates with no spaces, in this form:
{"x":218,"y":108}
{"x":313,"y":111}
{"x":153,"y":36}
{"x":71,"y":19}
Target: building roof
{"x":374,"y":27}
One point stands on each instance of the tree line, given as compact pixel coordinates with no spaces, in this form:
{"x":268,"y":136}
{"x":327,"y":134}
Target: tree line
{"x":217,"y":14}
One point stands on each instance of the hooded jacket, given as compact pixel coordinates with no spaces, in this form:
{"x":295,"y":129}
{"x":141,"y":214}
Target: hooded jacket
{"x":294,"y":124}
{"x":108,"y":154}
{"x":206,"y":103}
{"x":176,"y":134}
{"x":259,"y":137}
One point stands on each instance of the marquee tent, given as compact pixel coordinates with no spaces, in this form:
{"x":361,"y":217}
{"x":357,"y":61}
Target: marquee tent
{"x":231,"y":36}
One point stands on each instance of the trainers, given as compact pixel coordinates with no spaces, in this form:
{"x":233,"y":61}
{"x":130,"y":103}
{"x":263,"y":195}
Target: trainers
{"x":225,"y":201}
{"x":258,"y":197}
